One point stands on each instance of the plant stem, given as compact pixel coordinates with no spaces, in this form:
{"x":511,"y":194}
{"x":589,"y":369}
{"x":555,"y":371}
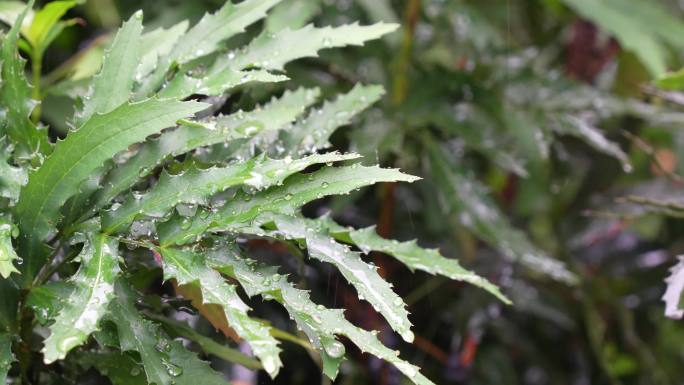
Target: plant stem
{"x":36,"y":68}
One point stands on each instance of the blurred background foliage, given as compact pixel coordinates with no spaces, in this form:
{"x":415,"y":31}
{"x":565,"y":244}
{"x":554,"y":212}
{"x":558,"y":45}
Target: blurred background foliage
{"x":552,"y":159}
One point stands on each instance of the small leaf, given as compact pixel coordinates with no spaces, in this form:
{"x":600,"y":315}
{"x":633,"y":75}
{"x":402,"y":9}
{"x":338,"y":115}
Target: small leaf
{"x":40,"y":32}
{"x":205,"y":37}
{"x":7,"y":254}
{"x":183,"y":86}
{"x":312,"y":132}
{"x":112,"y":86}
{"x":287,"y":199}
{"x":93,"y":288}
{"x":189,"y":268}
{"x":268,"y":50}
{"x":166,"y":361}
{"x":675,"y":289}
{"x":409,"y":253}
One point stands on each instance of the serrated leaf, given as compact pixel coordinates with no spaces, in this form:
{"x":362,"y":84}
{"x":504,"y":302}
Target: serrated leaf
{"x":15,"y":94}
{"x":112,"y":86}
{"x":466,"y":197}
{"x":156,"y":44}
{"x":195,"y":186}
{"x":267,"y":50}
{"x":119,"y":368}
{"x":675,"y":289}
{"x":11,"y":178}
{"x":189,"y":268}
{"x":364,"y":277}
{"x":46,"y":300}
{"x":183,"y":86}
{"x":6,"y":356}
{"x":205,"y":37}
{"x":313,"y":131}
{"x":292,"y":14}
{"x":185,"y":138}
{"x":166,"y":361}
{"x":75,"y":158}
{"x":7,"y":254}
{"x":409,"y":253}
{"x":209,"y":345}
{"x":320,"y":324}
{"x":211,"y":312}
{"x":594,"y":137}
{"x":296,"y":191}
{"x":93,"y":289}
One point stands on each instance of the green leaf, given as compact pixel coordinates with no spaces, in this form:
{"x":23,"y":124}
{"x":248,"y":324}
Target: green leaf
{"x":195,"y":186}
{"x":15,"y":94}
{"x":208,"y":345}
{"x":312,"y":132}
{"x":211,"y":131}
{"x":46,"y":300}
{"x":189,"y":268}
{"x":120,"y":368}
{"x":166,"y":361}
{"x":9,"y":301}
{"x":93,"y":289}
{"x":205,"y":37}
{"x":364,"y":277}
{"x":7,"y":254}
{"x":112,"y":86}
{"x":75,"y":158}
{"x":268,"y":51}
{"x":156,"y":44}
{"x":6,"y":356}
{"x":409,"y":253}
{"x":672,"y":80}
{"x":465,"y":196}
{"x":39,"y":33}
{"x":11,"y":178}
{"x":321,"y":325}
{"x":594,"y":137}
{"x":182,"y":86}
{"x":287,"y":199}
{"x":291,"y":14}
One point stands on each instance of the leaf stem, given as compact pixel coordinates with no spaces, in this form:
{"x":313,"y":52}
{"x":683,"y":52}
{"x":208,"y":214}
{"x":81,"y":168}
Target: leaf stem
{"x":36,"y":69}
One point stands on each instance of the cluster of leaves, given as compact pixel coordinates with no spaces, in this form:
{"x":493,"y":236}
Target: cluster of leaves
{"x":553,"y":173}
{"x":159,"y":168}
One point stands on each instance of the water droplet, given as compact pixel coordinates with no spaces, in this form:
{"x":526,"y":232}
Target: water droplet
{"x":172,"y":369}
{"x":335,"y":349}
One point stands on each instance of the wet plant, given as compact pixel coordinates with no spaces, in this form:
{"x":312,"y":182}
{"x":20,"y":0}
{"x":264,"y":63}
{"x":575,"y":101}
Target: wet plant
{"x":164,"y":177}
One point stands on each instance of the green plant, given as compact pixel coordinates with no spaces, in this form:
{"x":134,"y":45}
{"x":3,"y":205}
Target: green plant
{"x":149,"y":178}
